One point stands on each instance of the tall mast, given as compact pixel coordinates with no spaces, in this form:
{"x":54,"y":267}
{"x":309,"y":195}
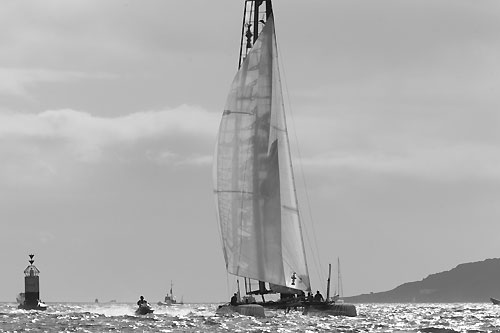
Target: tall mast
{"x":328,"y":283}
{"x":254,"y":17}
{"x":339,"y":279}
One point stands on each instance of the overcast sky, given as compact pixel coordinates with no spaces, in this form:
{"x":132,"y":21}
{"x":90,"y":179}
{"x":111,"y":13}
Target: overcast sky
{"x":109,"y":112}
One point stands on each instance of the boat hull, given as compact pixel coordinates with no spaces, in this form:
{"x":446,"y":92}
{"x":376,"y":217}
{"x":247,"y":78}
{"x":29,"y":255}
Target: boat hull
{"x":253,"y":310}
{"x":494,"y":301}
{"x":168,"y":303}
{"x":330,"y":309}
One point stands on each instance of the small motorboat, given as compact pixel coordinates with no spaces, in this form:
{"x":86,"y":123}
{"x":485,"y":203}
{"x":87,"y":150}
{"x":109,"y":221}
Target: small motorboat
{"x":495,"y":301}
{"x":170,"y":299}
{"x":144,"y":309}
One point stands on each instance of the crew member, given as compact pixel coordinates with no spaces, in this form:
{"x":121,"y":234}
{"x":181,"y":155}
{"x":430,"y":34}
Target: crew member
{"x":142,"y":301}
{"x":234,"y":299}
{"x":318,"y":297}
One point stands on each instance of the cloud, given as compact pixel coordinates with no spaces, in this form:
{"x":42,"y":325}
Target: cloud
{"x":439,"y":163}
{"x":441,"y":144}
{"x":35,"y":148}
{"x":15,"y":81}
{"x":84,"y":128}
{"x":168,"y":157}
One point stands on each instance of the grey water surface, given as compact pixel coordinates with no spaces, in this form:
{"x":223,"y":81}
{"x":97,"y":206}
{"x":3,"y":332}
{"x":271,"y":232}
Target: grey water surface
{"x":116,"y":317}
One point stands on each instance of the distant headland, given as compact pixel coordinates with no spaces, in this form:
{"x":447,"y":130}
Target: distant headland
{"x":469,"y":282}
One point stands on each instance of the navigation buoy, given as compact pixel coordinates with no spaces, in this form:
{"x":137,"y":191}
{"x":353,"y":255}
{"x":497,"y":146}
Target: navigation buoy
{"x":30,"y":299}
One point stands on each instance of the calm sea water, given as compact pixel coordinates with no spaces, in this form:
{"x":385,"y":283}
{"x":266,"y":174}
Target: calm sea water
{"x":115,"y":317}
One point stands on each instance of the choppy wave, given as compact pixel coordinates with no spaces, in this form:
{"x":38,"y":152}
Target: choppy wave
{"x":113,"y":317}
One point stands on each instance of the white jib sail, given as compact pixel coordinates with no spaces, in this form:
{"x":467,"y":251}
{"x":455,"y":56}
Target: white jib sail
{"x":256,"y":200}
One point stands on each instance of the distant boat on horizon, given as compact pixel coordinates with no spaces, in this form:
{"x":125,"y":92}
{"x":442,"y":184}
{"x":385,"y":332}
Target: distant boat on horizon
{"x":494,"y":301}
{"x":339,"y":292}
{"x":169,"y":298}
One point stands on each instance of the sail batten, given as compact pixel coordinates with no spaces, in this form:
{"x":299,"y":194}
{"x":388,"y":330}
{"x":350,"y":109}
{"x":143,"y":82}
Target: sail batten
{"x":228,"y":112}
{"x":253,"y":177}
{"x":229,"y":191}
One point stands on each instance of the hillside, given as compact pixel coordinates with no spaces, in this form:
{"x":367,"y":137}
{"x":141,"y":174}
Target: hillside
{"x":470,"y":282}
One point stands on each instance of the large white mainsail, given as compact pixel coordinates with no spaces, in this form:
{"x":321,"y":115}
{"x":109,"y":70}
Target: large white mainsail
{"x":255,"y":191}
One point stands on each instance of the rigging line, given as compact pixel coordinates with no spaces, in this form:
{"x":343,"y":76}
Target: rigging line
{"x":317,"y":265}
{"x":300,"y":164}
{"x":228,"y":293}
{"x":315,"y":256}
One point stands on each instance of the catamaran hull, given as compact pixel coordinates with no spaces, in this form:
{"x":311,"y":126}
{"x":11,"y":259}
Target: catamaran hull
{"x":253,"y":310}
{"x":331,"y":309}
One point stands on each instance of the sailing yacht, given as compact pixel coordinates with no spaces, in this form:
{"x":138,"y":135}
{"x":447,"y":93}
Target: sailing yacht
{"x":256,"y":200}
{"x":339,"y":292}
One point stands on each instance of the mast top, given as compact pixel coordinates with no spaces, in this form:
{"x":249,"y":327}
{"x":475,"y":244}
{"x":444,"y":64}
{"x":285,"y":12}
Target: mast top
{"x":254,"y":19}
